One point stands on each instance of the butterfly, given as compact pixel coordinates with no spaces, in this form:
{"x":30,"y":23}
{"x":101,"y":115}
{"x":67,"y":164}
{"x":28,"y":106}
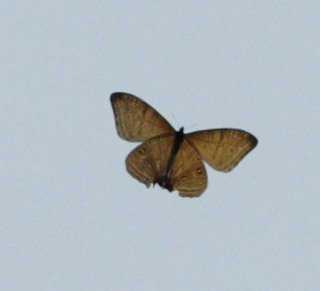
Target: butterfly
{"x":171,"y":158}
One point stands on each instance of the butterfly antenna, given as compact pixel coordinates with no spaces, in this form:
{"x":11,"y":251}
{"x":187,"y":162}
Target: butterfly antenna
{"x":189,"y":127}
{"x":176,"y":125}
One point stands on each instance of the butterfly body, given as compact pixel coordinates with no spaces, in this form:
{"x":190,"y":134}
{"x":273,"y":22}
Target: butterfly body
{"x":164,"y":181}
{"x":170,"y":158}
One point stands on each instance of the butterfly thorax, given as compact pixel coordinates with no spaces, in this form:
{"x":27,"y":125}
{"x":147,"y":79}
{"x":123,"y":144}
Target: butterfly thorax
{"x":165,"y":181}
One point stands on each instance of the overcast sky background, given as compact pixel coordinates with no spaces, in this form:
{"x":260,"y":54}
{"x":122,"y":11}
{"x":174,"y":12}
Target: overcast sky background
{"x":72,"y":218}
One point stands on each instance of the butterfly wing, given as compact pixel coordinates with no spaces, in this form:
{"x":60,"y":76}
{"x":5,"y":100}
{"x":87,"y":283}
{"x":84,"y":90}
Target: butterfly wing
{"x":188,"y":174}
{"x":222,"y":149}
{"x":136,"y":120}
{"x":149,"y":161}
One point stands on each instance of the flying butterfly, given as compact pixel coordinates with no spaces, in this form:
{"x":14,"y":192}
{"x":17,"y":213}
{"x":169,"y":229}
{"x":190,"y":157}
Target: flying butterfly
{"x":170,"y":158}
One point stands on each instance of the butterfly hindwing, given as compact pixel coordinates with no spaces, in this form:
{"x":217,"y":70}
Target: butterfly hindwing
{"x":188,"y":174}
{"x":136,"y":120}
{"x":149,"y":161}
{"x":222,"y":149}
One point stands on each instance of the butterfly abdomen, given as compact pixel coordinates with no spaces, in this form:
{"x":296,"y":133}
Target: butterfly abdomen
{"x":164,"y":181}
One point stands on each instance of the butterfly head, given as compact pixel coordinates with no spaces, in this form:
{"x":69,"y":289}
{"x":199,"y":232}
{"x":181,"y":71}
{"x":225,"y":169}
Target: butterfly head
{"x":180,"y":134}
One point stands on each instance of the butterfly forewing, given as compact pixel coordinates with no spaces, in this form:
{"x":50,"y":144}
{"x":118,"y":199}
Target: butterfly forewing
{"x":222,"y":149}
{"x":188,"y":174}
{"x":149,"y":161}
{"x":136,"y":120}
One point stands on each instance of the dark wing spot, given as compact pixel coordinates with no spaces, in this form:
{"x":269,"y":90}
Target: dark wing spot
{"x":142,"y":151}
{"x":199,"y":171}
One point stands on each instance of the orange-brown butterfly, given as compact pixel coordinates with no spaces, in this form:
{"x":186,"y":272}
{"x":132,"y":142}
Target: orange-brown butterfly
{"x":171,"y":158}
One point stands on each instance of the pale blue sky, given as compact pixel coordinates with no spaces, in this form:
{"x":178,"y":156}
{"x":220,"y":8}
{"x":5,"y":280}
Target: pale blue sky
{"x":73,"y":219}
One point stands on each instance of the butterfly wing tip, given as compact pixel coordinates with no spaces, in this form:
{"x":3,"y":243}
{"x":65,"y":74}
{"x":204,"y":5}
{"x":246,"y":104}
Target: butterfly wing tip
{"x":116,"y":95}
{"x":113,"y":96}
{"x":254,"y":141}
